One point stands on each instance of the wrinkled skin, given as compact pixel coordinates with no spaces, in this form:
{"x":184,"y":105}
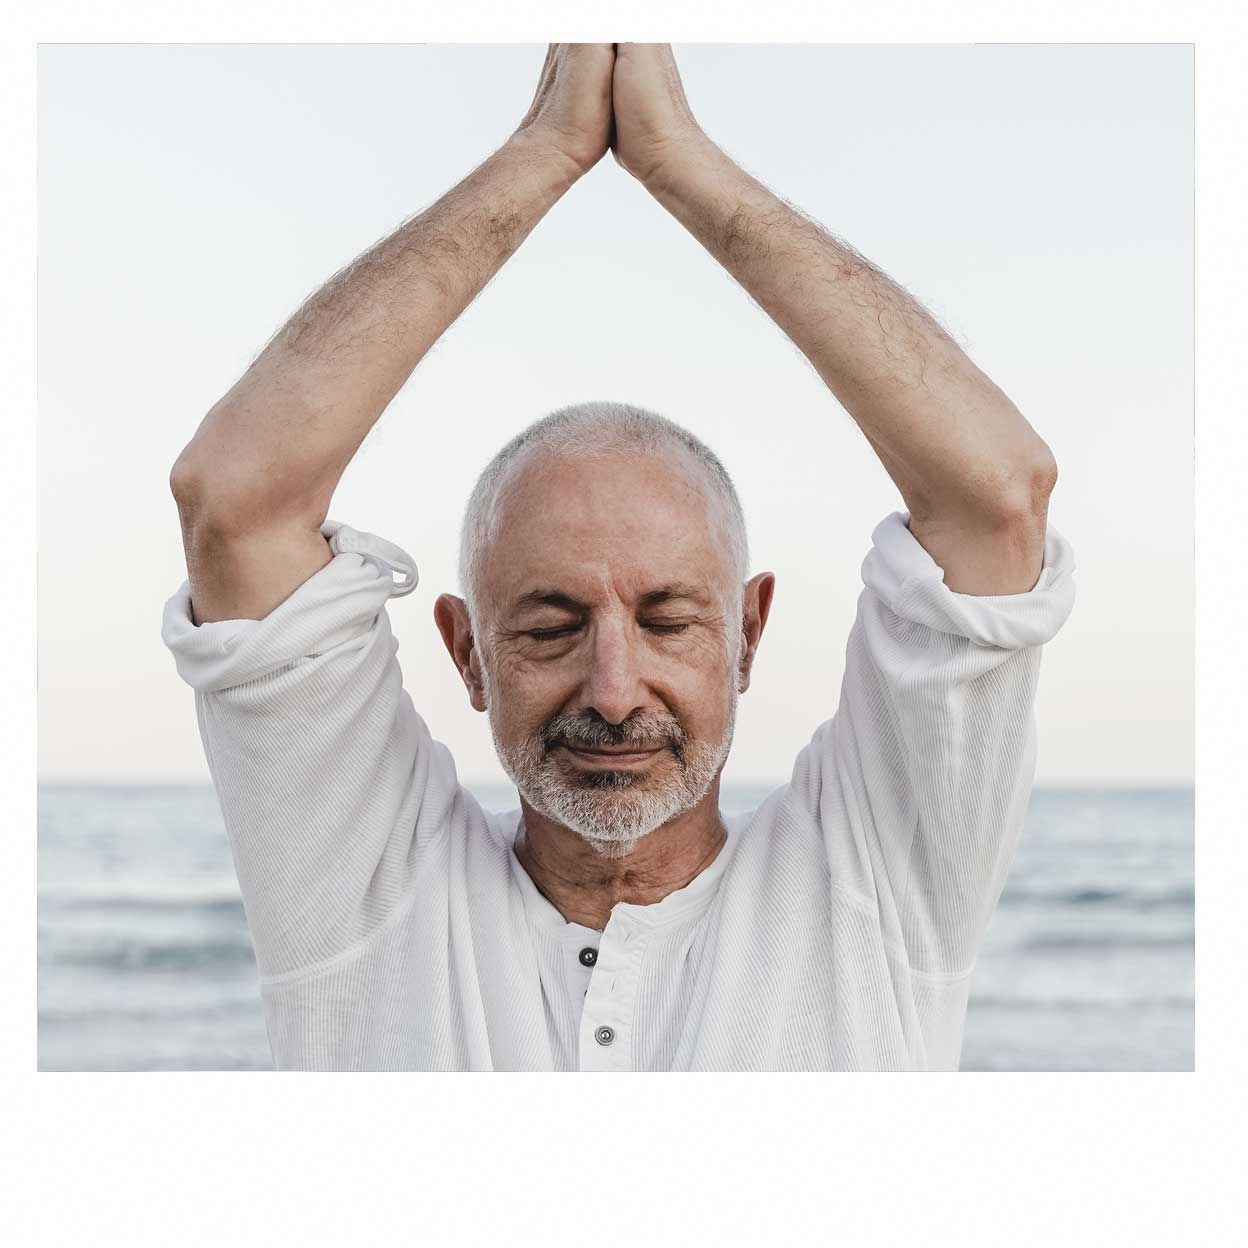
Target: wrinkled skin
{"x":619,"y":669}
{"x":654,"y":128}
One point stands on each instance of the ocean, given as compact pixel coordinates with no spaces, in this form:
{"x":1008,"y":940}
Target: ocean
{"x":145,"y":961}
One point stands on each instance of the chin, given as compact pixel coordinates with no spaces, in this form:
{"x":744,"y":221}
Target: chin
{"x":610,"y":781}
{"x":610,"y":810}
{"x":613,"y":809}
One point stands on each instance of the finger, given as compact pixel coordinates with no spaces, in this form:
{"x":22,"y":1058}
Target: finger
{"x":648,"y":53}
{"x":582,"y":66}
{"x":590,"y":53}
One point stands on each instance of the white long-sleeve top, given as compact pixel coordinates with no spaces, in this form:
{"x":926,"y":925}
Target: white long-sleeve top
{"x":836,"y":929}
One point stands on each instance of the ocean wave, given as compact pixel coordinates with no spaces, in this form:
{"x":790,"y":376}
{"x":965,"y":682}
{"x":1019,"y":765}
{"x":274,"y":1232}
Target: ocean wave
{"x":177,"y":955}
{"x":1080,"y":1005}
{"x":1078,"y":942}
{"x":208,"y":899}
{"x":1179,"y":896}
{"x":227,"y":909}
{"x":210,"y":1011}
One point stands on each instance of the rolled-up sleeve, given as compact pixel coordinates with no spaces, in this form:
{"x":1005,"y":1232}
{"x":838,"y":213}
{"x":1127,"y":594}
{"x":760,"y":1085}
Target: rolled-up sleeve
{"x":920,"y":781}
{"x":330,"y":786}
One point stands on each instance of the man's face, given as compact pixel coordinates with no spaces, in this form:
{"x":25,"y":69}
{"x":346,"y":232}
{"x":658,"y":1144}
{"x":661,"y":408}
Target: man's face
{"x":611,"y":635}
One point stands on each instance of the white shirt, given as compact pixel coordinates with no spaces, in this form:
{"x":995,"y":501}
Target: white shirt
{"x":836,"y":929}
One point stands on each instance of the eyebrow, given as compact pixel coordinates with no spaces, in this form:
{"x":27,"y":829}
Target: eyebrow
{"x":667,"y":592}
{"x":548,"y":598}
{"x":555,"y":598}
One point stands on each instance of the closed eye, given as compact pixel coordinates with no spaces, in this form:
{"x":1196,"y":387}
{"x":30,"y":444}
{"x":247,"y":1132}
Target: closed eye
{"x":552,"y":634}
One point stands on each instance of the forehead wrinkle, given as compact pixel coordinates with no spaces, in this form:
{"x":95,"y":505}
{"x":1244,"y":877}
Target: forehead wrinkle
{"x":541,"y":510}
{"x":673,"y":592}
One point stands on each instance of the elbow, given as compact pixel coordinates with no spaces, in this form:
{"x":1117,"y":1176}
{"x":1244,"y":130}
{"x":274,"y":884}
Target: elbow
{"x":217,"y":501}
{"x":198,"y":492}
{"x":1024,"y":499}
{"x":1040,"y":481}
{"x":1018,"y":495}
{"x":199,"y":509}
{"x":211,"y":464}
{"x":184,"y":480}
{"x":204,"y":499}
{"x":1023,"y":490}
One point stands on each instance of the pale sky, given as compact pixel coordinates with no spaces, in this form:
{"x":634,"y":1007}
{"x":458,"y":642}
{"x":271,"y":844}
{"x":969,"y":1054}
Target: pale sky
{"x":1037,"y":198}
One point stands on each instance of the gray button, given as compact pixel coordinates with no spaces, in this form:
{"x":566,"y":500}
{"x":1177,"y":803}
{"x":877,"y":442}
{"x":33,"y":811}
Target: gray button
{"x":604,"y":1035}
{"x":588,"y":956}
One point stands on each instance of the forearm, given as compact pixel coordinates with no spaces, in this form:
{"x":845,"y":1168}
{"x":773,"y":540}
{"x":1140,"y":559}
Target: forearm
{"x":945,"y":432}
{"x":280,"y":439}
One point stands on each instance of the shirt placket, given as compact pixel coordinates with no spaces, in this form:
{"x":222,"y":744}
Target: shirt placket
{"x":606,"y":1032}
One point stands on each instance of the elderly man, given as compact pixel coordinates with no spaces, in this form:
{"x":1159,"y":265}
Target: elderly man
{"x":617,"y":920}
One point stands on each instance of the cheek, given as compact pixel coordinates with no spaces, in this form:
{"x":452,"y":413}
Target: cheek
{"x":526,"y":696}
{"x":709,"y":706}
{"x":701,"y":689}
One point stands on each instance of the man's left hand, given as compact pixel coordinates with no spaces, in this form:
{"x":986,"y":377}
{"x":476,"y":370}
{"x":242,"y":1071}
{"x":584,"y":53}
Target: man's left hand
{"x":653,"y":125}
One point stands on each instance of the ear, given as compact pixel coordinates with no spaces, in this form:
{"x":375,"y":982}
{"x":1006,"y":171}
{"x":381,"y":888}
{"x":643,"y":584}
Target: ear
{"x":451,"y":616}
{"x":754,"y":611}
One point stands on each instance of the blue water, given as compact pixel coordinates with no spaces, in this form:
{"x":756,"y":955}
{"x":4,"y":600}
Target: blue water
{"x":145,"y":962}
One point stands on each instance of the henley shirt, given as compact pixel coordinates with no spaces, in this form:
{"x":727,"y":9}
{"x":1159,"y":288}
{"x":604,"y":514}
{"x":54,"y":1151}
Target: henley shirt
{"x":836,"y":929}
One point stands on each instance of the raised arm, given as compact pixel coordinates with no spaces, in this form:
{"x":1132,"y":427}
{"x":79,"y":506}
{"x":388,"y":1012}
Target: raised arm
{"x":254,"y":484}
{"x":974,"y":474}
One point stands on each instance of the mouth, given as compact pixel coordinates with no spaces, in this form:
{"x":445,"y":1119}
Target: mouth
{"x":618,"y":757}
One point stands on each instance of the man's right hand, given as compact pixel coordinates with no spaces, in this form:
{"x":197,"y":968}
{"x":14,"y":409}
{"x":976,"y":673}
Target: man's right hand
{"x":571,"y":110}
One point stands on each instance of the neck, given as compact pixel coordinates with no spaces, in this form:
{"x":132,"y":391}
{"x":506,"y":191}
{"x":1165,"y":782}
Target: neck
{"x":583,"y":886}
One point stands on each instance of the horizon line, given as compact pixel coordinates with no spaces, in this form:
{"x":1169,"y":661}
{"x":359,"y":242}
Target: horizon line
{"x":136,"y":782}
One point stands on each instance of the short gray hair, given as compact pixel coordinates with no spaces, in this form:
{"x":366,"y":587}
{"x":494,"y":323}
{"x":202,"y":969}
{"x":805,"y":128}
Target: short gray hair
{"x":593,"y":429}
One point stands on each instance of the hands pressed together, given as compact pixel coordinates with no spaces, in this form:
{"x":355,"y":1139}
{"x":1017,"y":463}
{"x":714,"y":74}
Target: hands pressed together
{"x":626,"y":97}
{"x":973,"y":473}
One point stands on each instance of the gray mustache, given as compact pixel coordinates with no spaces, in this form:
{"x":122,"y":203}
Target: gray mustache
{"x":592,"y":731}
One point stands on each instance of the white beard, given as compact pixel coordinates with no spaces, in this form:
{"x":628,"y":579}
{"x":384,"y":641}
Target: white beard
{"x":613,"y":810}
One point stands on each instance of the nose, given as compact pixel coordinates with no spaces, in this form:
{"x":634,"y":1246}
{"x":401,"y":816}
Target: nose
{"x":614,"y":685}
